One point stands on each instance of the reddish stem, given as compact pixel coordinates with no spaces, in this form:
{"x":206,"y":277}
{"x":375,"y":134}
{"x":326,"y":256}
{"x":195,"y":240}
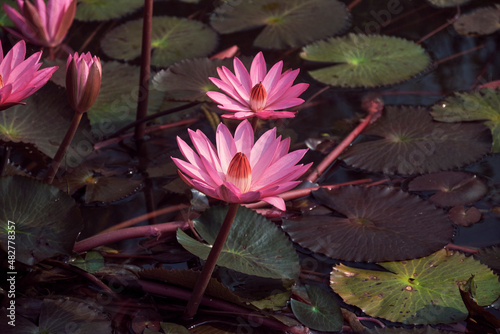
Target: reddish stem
{"x":438,"y":29}
{"x":462,"y":248}
{"x":128,"y":233}
{"x":353,"y":4}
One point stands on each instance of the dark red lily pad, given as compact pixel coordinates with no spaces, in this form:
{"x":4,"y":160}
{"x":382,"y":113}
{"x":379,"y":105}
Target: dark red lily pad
{"x":463,"y":216}
{"x":452,"y":188}
{"x":373,"y":225}
{"x":407,"y":141}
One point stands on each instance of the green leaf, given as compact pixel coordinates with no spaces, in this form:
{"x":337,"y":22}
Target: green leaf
{"x":172,"y":39}
{"x":103,"y":10}
{"x":255,"y":246}
{"x":419,"y":291}
{"x":285,"y":23}
{"x":170,"y":328}
{"x":39,"y":220}
{"x":482,"y":105}
{"x":323,"y":314}
{"x":92,"y":263}
{"x":366,"y":61}
{"x":396,"y":145}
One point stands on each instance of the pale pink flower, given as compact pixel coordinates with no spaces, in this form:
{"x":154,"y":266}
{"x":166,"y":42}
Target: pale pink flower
{"x":40,"y":23}
{"x":83,"y":80}
{"x":19,"y":78}
{"x":258,"y":93}
{"x":239,"y":170}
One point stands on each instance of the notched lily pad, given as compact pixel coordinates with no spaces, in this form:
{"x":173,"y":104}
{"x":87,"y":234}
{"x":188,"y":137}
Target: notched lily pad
{"x":398,"y":146}
{"x":366,"y":60}
{"x":483,"y":21}
{"x":463,"y":216}
{"x":37,"y":219}
{"x":255,"y":246}
{"x":490,"y":256}
{"x":284,"y":23}
{"x":188,"y":79}
{"x":92,"y":10}
{"x":419,"y":291}
{"x":452,"y":188}
{"x":373,"y":224}
{"x":172,"y":39}
{"x":481,"y":105}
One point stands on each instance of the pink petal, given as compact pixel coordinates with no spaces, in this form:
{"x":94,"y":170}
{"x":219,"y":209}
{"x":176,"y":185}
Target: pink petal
{"x":242,"y":75}
{"x":273,"y":76}
{"x":244,"y":138}
{"x":258,"y":69}
{"x":232,"y":80}
{"x":226,"y":103}
{"x":239,"y":115}
{"x":228,"y":89}
{"x":291,"y":94}
{"x":275,"y":201}
{"x":226,"y":148}
{"x":229,"y":193}
{"x":284,"y":83}
{"x":262,"y":153}
{"x":266,"y":114}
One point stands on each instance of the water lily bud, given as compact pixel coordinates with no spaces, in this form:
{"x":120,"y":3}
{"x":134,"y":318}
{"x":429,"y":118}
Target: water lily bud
{"x":83,"y":80}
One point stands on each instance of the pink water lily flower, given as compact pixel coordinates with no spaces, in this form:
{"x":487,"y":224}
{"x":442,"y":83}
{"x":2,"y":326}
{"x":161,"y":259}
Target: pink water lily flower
{"x":42,"y":24}
{"x":239,"y":170}
{"x":19,"y":78}
{"x":258,"y":93}
{"x":83,"y":80}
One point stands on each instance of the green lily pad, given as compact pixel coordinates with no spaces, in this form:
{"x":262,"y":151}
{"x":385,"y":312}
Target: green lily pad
{"x":172,"y":39}
{"x":483,"y":21}
{"x":43,"y":121}
{"x":401,"y":330}
{"x":255,"y":246}
{"x":482,"y":105}
{"x":37,"y":220}
{"x":170,"y":328}
{"x":102,"y":10}
{"x":376,"y":224}
{"x":92,"y":262}
{"x":323,"y":314}
{"x":398,"y":146}
{"x":188,"y":79}
{"x":419,"y":291}
{"x":366,"y":60}
{"x":452,"y":188}
{"x":447,"y":3}
{"x":116,"y":105}
{"x":285,"y":23}
{"x":5,"y":21}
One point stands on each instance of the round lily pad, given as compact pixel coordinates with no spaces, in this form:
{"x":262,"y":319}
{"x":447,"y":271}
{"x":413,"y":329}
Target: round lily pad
{"x":366,"y":60}
{"x":419,"y":291}
{"x":372,"y":225}
{"x":284,"y":23}
{"x":37,"y":220}
{"x":92,"y":10}
{"x":452,"y":188}
{"x":447,"y":3}
{"x":188,"y":79}
{"x":463,"y":216}
{"x":398,"y":146}
{"x":483,"y":21}
{"x":481,"y":105}
{"x":255,"y":246}
{"x":172,"y":39}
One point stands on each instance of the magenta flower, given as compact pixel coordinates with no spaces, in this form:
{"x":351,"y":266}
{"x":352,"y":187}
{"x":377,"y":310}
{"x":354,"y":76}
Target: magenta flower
{"x":40,"y":23}
{"x":239,"y":170}
{"x":83,"y":80}
{"x":19,"y":78}
{"x":258,"y":93}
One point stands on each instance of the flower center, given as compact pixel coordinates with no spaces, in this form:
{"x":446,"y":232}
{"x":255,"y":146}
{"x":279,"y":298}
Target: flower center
{"x":258,"y":97}
{"x":1,"y":81}
{"x":239,"y":172}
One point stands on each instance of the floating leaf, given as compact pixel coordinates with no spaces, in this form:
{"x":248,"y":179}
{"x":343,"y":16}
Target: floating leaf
{"x":464,"y":216}
{"x":401,"y":330}
{"x":378,"y":224}
{"x":285,"y":23}
{"x":483,"y":21}
{"x":419,"y":291}
{"x":400,"y":146}
{"x":172,"y":39}
{"x":43,"y":220}
{"x":447,"y":3}
{"x":452,"y":188}
{"x":482,"y":105}
{"x":170,"y":328}
{"x":255,"y":246}
{"x":188,"y":79}
{"x":92,"y":263}
{"x":43,"y":121}
{"x":323,"y":314}
{"x":366,"y":60}
{"x":92,"y":10}
{"x":490,"y":256}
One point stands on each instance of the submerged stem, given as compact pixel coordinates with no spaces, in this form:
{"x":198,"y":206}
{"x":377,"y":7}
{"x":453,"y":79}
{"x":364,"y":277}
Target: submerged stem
{"x":208,"y":268}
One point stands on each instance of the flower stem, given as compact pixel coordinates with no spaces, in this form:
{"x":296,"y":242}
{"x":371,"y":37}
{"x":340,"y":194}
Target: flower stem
{"x":54,"y":166}
{"x":208,"y":268}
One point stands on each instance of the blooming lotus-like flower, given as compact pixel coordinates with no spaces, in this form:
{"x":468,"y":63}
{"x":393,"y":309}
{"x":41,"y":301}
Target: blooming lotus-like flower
{"x":40,"y":23}
{"x":83,"y":80}
{"x":239,"y":170}
{"x":258,"y":93}
{"x":19,"y":78}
